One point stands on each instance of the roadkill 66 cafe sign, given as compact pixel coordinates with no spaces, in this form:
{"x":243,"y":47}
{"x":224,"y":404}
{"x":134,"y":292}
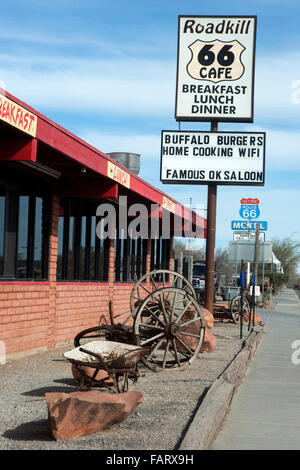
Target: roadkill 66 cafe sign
{"x":215,"y":68}
{"x":215,"y":73}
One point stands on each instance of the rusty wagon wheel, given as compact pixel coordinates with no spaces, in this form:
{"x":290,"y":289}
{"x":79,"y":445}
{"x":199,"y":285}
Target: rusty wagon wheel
{"x":235,"y":309}
{"x":170,"y":322}
{"x":159,"y":278}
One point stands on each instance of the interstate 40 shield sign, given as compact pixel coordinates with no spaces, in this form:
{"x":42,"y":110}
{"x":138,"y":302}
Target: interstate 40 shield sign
{"x":215,"y":68}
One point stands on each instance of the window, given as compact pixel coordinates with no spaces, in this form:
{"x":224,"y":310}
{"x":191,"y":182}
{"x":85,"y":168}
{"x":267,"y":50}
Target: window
{"x":24,"y":233}
{"x":2,"y":221}
{"x":130,"y":258}
{"x":160,"y":248}
{"x":160,"y":255}
{"x":82,"y":256}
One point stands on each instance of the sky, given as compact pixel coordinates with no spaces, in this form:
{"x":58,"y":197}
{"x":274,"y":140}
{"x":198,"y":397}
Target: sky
{"x":106,"y":71}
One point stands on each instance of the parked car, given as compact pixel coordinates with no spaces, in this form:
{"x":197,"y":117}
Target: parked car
{"x":199,"y":268}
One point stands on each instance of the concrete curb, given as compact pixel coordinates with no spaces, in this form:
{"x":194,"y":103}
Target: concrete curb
{"x":216,"y":402}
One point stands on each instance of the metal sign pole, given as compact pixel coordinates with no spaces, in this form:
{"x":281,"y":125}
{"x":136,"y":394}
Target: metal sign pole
{"x":252,"y":307}
{"x":210,"y":239}
{"x":242,"y":299}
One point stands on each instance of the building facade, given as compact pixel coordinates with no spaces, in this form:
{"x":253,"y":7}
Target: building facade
{"x":58,"y":270}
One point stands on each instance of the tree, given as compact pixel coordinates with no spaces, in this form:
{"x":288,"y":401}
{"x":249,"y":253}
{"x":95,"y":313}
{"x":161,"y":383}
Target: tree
{"x":181,"y":246}
{"x":222,"y":262}
{"x":288,"y":253}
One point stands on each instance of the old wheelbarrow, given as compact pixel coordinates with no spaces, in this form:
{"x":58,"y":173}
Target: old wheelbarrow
{"x":119,"y":362}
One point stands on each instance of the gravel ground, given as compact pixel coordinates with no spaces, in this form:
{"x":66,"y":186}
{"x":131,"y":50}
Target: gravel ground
{"x":159,"y":423}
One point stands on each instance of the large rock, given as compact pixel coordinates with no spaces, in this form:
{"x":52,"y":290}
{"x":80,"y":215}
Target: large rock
{"x":83,"y":413}
{"x":257,"y":319}
{"x":208,"y":317}
{"x":209,"y":343}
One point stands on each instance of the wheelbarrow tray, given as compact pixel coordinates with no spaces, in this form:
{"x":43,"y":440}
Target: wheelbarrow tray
{"x":113,"y":354}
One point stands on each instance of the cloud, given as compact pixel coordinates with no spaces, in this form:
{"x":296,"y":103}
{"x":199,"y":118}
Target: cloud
{"x":98,"y":76}
{"x":125,"y":87}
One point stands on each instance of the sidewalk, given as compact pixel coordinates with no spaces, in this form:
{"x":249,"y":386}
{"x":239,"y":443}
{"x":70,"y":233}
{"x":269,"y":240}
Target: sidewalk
{"x":265,"y":412}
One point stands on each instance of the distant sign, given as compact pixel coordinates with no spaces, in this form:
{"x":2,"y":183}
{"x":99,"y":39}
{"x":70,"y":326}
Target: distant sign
{"x":249,"y":200}
{"x":215,"y":68}
{"x":256,"y":291}
{"x":249,"y":208}
{"x":245,"y":250}
{"x":249,"y":211}
{"x":248,"y":236}
{"x":198,"y":157}
{"x":248,"y":225}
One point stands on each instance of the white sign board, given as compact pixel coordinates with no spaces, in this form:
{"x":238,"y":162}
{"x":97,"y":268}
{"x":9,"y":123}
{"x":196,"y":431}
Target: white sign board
{"x":257,"y":292}
{"x":244,"y":251}
{"x":198,"y":157}
{"x":215,"y":68}
{"x":248,"y":236}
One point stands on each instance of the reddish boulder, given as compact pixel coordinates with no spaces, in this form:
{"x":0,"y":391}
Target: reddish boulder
{"x":208,"y":317}
{"x":209,"y":343}
{"x":83,"y":413}
{"x":257,"y":319}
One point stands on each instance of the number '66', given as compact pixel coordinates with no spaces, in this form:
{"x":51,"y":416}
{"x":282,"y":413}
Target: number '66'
{"x":225,"y":57}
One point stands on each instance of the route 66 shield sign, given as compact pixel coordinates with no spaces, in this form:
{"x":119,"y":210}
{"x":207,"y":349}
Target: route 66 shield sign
{"x":249,"y":211}
{"x":216,"y":61}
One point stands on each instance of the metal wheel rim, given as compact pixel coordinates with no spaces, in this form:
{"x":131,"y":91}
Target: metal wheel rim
{"x":176,"y":353}
{"x":155,"y":285}
{"x":235,"y":308}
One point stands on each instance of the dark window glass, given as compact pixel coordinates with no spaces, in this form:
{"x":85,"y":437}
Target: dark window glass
{"x":82,"y":255}
{"x":38,"y":239}
{"x":22,"y":237}
{"x":130,"y":258}
{"x":71,"y":251}
{"x":2,"y":224}
{"x":84,"y":244}
{"x":160,"y":256}
{"x":60,"y":247}
{"x":24,"y":233}
{"x":92,"y":274}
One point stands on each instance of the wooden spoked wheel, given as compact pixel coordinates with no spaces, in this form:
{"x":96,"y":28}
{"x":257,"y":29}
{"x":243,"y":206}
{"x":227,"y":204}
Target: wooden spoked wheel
{"x":235,"y":309}
{"x":157,"y":279}
{"x":170,"y":322}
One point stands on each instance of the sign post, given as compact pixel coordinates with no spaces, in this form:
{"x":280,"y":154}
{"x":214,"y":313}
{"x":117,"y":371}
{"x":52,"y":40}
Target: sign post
{"x":211,"y":240}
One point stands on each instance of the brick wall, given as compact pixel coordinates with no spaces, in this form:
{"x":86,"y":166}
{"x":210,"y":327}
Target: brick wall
{"x":24,"y":310}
